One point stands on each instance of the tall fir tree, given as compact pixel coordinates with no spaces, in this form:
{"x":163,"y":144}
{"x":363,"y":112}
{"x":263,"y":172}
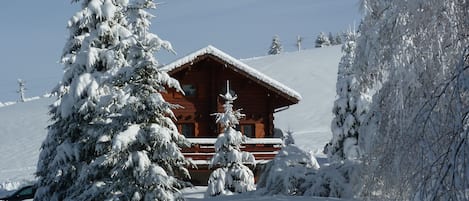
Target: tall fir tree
{"x":232,"y":176}
{"x":112,"y":136}
{"x":276,"y":46}
{"x":344,"y":142}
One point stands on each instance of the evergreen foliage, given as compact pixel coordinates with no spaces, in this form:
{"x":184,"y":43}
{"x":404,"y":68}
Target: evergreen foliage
{"x":331,"y":39}
{"x":347,"y":110}
{"x":276,"y":47}
{"x":295,"y":172}
{"x":112,"y":136}
{"x":322,"y":40}
{"x":232,"y":176}
{"x":286,"y":173}
{"x":338,"y":38}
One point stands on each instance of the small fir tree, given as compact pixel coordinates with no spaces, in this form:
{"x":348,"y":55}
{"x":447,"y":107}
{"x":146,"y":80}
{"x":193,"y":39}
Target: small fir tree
{"x":112,"y":136}
{"x":276,"y":47}
{"x":232,"y":176}
{"x":322,"y":40}
{"x":21,"y":89}
{"x":331,"y":39}
{"x":338,"y":39}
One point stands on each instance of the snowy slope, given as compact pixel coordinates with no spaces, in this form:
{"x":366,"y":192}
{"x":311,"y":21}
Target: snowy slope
{"x":313,"y":74}
{"x":310,"y":72}
{"x":22,"y":130}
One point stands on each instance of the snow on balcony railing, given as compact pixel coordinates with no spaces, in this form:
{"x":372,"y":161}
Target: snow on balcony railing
{"x":266,"y":141}
{"x":203,"y":149}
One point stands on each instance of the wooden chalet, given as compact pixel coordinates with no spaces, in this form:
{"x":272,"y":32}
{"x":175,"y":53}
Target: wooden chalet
{"x":203,"y":76}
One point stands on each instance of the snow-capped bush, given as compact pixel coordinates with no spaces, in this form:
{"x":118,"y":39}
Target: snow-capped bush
{"x":296,"y":172}
{"x":285,"y":174}
{"x":339,"y":180}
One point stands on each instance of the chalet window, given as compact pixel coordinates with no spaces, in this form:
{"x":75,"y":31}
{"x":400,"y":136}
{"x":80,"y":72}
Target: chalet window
{"x":190,"y":90}
{"x":187,"y":129}
{"x":248,"y":130}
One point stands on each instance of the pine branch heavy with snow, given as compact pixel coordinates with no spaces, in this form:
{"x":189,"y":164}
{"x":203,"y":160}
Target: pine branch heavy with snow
{"x":112,"y":136}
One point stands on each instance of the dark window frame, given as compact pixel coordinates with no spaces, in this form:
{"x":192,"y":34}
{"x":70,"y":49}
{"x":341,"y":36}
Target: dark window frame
{"x":190,"y":90}
{"x":244,"y":127}
{"x":187,"y":129}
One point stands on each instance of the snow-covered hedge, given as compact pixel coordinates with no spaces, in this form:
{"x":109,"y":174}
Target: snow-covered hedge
{"x":334,"y":180}
{"x":296,"y":172}
{"x":285,"y":174}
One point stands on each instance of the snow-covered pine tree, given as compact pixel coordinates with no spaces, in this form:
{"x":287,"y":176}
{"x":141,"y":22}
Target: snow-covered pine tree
{"x":344,"y":142}
{"x":112,"y":136}
{"x":338,"y":39}
{"x":322,"y":40}
{"x":21,"y":89}
{"x":232,"y":176}
{"x":276,"y":46}
{"x":331,"y":39}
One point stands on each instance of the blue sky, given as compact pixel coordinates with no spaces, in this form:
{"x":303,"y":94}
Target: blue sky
{"x":33,"y":32}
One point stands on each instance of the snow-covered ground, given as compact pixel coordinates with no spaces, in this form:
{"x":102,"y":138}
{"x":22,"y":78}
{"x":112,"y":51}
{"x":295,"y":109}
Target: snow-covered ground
{"x":22,"y":129}
{"x":197,"y":194}
{"x":310,"y":72}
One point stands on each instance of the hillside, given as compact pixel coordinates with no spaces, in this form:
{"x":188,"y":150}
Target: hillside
{"x":22,"y":130}
{"x":313,"y":74}
{"x":310,"y":72}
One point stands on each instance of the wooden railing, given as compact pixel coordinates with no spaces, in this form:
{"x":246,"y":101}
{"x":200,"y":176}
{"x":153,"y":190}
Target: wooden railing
{"x":203,"y":149}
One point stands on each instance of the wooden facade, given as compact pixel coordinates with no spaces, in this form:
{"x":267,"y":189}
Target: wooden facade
{"x":203,"y":76}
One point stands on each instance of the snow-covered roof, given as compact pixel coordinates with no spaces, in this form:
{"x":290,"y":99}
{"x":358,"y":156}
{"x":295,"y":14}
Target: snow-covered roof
{"x":238,"y":65}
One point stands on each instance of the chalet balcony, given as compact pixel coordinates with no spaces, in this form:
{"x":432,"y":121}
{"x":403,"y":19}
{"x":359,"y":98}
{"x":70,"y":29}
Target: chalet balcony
{"x":203,"y":149}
